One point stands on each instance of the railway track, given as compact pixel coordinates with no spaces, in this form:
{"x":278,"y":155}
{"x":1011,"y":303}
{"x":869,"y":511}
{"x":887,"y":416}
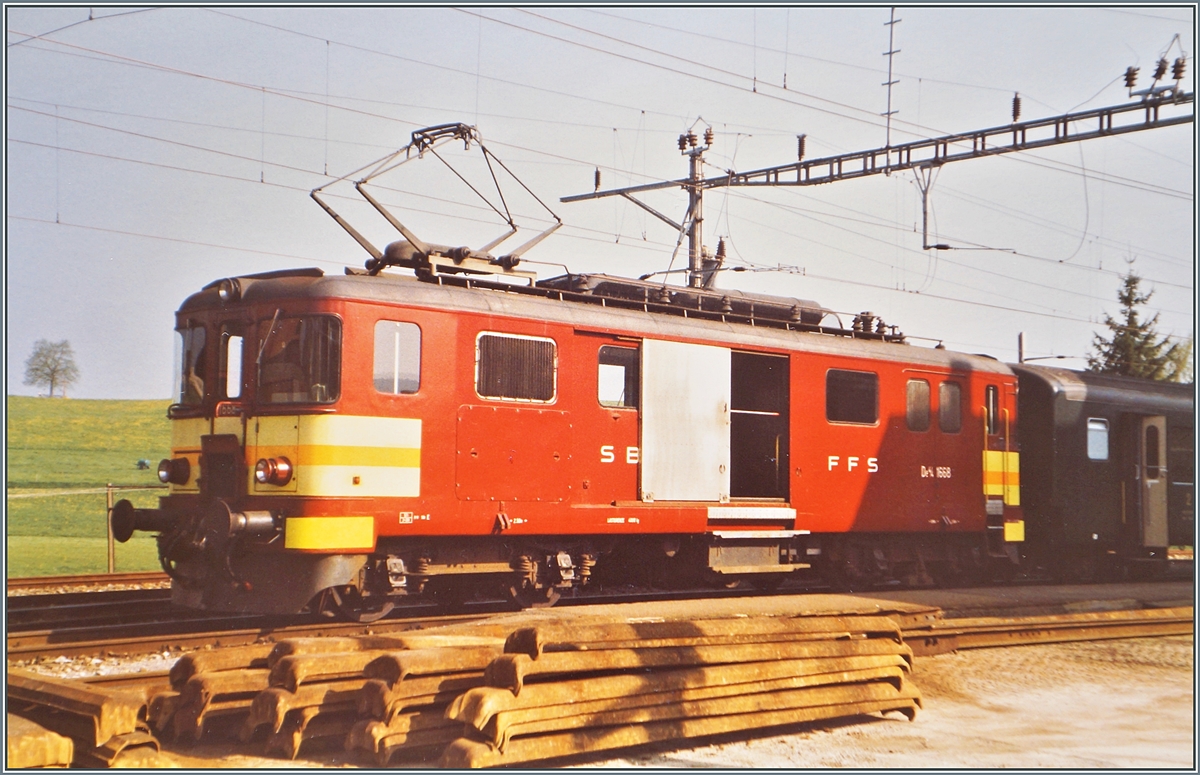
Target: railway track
{"x":37,"y":584}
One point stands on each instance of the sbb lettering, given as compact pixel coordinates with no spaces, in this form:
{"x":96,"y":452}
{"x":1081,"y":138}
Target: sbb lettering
{"x":608,"y":454}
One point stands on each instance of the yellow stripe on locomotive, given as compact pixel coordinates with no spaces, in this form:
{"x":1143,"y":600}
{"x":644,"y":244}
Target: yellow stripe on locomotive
{"x":339,"y":455}
{"x":1002,"y":476}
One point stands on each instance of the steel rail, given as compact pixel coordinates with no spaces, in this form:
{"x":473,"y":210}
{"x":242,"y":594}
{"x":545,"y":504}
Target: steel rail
{"x":135,"y":639}
{"x":86,"y":580}
{"x":990,"y":632}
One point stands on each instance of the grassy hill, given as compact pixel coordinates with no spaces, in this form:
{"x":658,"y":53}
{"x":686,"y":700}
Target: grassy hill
{"x":58,"y":450}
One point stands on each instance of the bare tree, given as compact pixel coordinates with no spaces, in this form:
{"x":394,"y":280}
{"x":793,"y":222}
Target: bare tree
{"x":51,"y":364}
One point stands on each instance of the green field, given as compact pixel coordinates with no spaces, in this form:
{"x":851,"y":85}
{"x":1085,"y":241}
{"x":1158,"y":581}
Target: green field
{"x":59,"y":452}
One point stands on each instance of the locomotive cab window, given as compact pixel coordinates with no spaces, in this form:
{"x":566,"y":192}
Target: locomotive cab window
{"x":193,"y":365}
{"x":617,"y":379}
{"x":1097,"y":438}
{"x":949,"y":407}
{"x":397,"y":357}
{"x":852,"y":396}
{"x":231,"y":360}
{"x":299,"y":359}
{"x":515,"y":368}
{"x":992,"y":407}
{"x":917,"y":402}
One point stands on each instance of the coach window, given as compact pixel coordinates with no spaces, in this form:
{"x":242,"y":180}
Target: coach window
{"x":397,"y":357}
{"x":852,"y":396}
{"x":992,"y":404}
{"x":515,"y":368}
{"x":193,"y":366}
{"x":299,"y":359}
{"x":618,"y":377}
{"x":231,"y":360}
{"x":1152,"y":463}
{"x":917,"y":400}
{"x":950,"y":407}
{"x":1097,"y":438}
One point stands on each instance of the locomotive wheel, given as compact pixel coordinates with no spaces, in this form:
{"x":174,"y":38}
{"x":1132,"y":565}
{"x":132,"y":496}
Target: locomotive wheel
{"x":347,"y":603}
{"x":523,"y":596}
{"x":767,"y":582}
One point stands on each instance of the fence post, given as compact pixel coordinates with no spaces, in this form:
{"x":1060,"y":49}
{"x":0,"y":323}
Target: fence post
{"x":112,"y":547}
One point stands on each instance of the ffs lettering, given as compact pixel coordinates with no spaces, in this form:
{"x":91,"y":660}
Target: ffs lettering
{"x":854,"y":463}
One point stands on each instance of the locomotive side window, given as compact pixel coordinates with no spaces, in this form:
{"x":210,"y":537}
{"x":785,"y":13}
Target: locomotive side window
{"x":852,"y":396}
{"x":917,"y":400}
{"x":231,"y":362}
{"x":193,"y":369}
{"x":1097,"y":438}
{"x":992,"y":399}
{"x":515,"y":368}
{"x":397,"y":357}
{"x":618,"y":377}
{"x":299,"y":359}
{"x":950,"y":407}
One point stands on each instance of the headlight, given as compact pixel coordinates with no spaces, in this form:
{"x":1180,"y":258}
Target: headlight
{"x":229,"y":290}
{"x":274,"y":470}
{"x":176,"y":471}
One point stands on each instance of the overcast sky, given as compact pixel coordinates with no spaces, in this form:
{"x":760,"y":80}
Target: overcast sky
{"x":151,"y":151}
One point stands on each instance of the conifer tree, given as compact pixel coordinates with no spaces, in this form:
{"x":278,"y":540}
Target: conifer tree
{"x":1135,"y":348}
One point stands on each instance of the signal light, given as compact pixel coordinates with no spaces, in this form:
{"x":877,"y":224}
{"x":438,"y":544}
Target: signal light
{"x":1131,"y":74}
{"x":1178,"y":68}
{"x":1016,"y":107}
{"x":1160,"y":69}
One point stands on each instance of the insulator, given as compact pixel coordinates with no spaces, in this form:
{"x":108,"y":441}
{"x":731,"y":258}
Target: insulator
{"x":1131,"y":74}
{"x":721,"y":247}
{"x":1178,"y":68}
{"x":683,"y":142}
{"x":708,"y":136}
{"x":880,"y":327}
{"x":1160,"y":69}
{"x":800,"y":146}
{"x":691,"y":138}
{"x":597,"y":178}
{"x":1016,"y":110}
{"x":421,"y":567}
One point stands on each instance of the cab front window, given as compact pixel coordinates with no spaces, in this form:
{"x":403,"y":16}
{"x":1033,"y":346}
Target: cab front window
{"x":299,"y":359}
{"x":193,"y":369}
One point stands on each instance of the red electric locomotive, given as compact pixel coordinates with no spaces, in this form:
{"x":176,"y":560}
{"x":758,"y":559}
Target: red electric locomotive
{"x":339,"y":441}
{"x":360,"y":437}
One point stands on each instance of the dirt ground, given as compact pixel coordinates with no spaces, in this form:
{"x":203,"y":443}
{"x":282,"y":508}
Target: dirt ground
{"x":1120,"y":703}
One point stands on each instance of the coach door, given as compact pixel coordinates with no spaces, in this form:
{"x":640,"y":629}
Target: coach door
{"x":686,"y":397}
{"x":1152,"y":472}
